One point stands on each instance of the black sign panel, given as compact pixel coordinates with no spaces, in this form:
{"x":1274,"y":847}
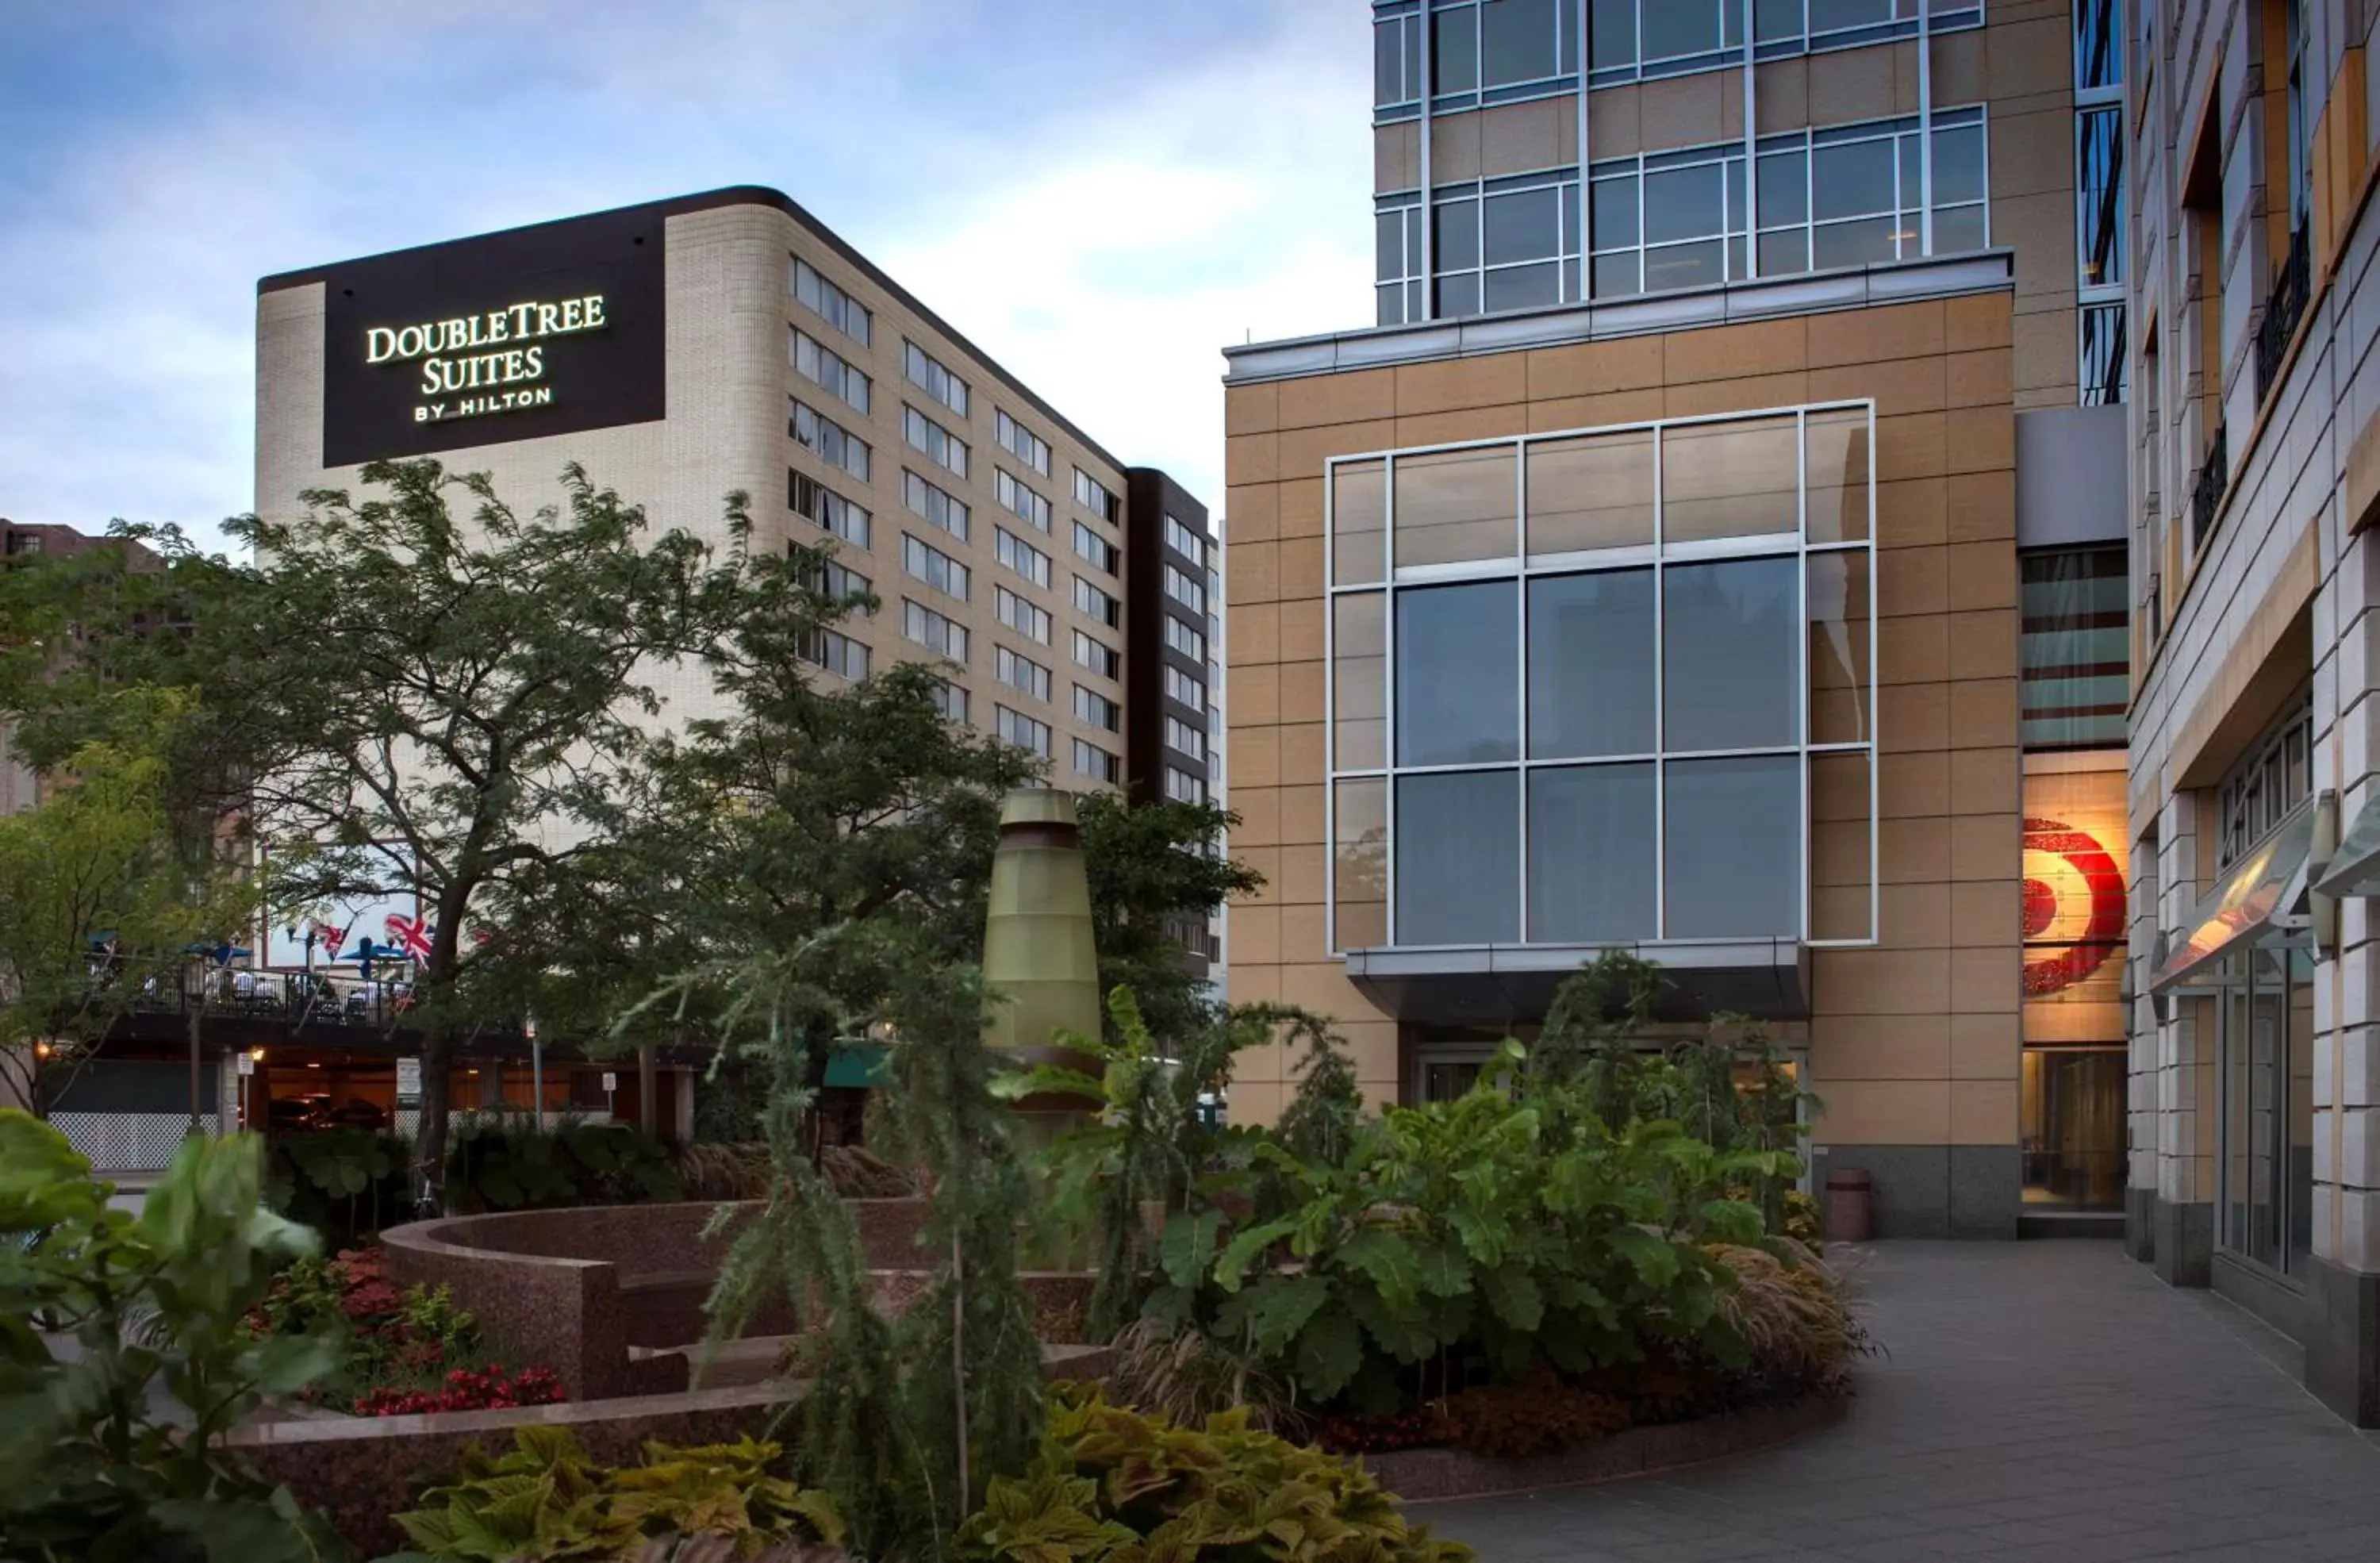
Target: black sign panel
{"x":554,"y":329}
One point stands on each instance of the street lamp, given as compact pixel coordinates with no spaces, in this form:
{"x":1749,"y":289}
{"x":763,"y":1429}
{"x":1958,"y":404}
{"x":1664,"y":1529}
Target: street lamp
{"x":536,"y":1066}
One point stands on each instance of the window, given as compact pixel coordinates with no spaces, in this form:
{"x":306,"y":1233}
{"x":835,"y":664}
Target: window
{"x":2106,"y":366}
{"x":1021,"y":441}
{"x":1635,"y":40}
{"x":951,"y":700}
{"x":1094,"y":603}
{"x":2099,"y":196}
{"x":1098,"y":656}
{"x":1021,"y":556}
{"x":830,"y":304}
{"x":932,"y":631}
{"x":1185,"y":688}
{"x":1184,"y":639}
{"x":1669,"y":743}
{"x":1018,"y":614}
{"x":824,"y":368}
{"x":931,"y":566}
{"x":2074,"y":648}
{"x":1093,"y":496}
{"x":836,"y":652}
{"x":1098,"y":709}
{"x":1843,"y":196}
{"x":1019,"y":501}
{"x":1504,"y":244}
{"x":1020,"y":671}
{"x":1097,"y":764}
{"x":939,"y":444}
{"x":1189,"y":740}
{"x":1396,"y":60}
{"x":833,"y":444}
{"x":1095,"y":549}
{"x":927,"y":374}
{"x":1182,"y":787}
{"x":925,"y":499}
{"x":1015,"y":727}
{"x":1184,"y":541}
{"x":2267,"y":1074}
{"x":2102,"y":339}
{"x":832,"y":580}
{"x":1186,"y":590}
{"x":1399,"y":264}
{"x":2266,"y":785}
{"x":814,"y":502}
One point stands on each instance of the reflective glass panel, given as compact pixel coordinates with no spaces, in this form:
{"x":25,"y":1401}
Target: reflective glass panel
{"x":1615,"y":275}
{"x":1615,"y":212}
{"x":1783,"y":254}
{"x":1524,"y":225}
{"x":1358,"y":524}
{"x":1681,"y":27}
{"x":1591,"y":858}
{"x":1595,"y":492}
{"x":1852,"y":178}
{"x":1959,"y":230}
{"x":1516,"y":40}
{"x":1734,"y":845}
{"x":1458,"y":506}
{"x":1838,"y":604}
{"x":1457,"y":296}
{"x":1852,"y":244}
{"x":1842,"y":865}
{"x":1591,"y":664}
{"x":1522,"y":288}
{"x":1457,"y":675}
{"x":1457,"y":848}
{"x":1958,"y":166}
{"x":1784,"y":189}
{"x":1458,"y":235}
{"x":1682,"y":203}
{"x":1360,"y":863}
{"x":1684,"y":265}
{"x":1734,"y":480}
{"x":1359,"y":697}
{"x":1454,"y":52}
{"x":1836,"y":471}
{"x":1611,"y":34}
{"x":1727,"y":633}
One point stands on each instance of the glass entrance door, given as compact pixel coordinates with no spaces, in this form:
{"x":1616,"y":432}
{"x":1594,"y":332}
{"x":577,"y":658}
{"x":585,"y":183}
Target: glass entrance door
{"x":2072,"y":1125}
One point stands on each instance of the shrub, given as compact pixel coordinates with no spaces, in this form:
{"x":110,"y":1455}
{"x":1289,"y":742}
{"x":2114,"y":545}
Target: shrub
{"x":346,"y":1183}
{"x":1187,"y":1375}
{"x":510,"y":1162}
{"x":484,"y":1388}
{"x":1540,"y":1415}
{"x":1794,"y":1318}
{"x":1113,"y":1484}
{"x":546,"y":1500}
{"x":155,"y":1306}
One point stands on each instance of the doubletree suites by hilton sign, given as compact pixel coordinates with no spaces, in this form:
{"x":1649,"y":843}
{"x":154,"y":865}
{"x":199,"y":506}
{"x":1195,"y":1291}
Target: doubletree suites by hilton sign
{"x":551,"y":330}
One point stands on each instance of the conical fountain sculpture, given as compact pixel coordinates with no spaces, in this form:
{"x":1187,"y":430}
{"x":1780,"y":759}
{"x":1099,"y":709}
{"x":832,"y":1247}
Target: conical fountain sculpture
{"x":1038,"y":956}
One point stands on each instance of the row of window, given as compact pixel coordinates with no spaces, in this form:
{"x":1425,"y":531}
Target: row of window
{"x":1182,"y":686}
{"x":830,"y":304}
{"x":1097,"y":764}
{"x":1189,"y":740}
{"x":1092,"y":707}
{"x":1020,"y":671}
{"x":941,"y":636}
{"x":934,"y":504}
{"x":930,"y":564}
{"x":1184,"y":541}
{"x":836,"y":652}
{"x":1843,"y":196}
{"x":1184,"y":639}
{"x":1495,"y":51}
{"x":1025,"y":618}
{"x":1021,"y":441}
{"x":1185,"y":590}
{"x":837,"y":582}
{"x":937,"y":443}
{"x":1182,"y":787}
{"x":1015,"y":727}
{"x":1095,"y":549}
{"x":1099,"y":655}
{"x":821,"y":506}
{"x":829,"y":370}
{"x":1093,"y":496}
{"x":928,"y":375}
{"x":826,"y":438}
{"x":1019,"y":501}
{"x":1091,"y":602}
{"x":1021,"y":556}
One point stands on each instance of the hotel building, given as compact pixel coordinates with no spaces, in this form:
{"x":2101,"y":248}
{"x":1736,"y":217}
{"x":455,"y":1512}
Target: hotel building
{"x":2254,"y":462}
{"x":1717,"y":550}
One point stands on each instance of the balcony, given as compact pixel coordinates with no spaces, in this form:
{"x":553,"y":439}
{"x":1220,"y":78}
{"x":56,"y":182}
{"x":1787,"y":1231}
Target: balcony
{"x":2284,"y":307}
{"x":2206,"y":494}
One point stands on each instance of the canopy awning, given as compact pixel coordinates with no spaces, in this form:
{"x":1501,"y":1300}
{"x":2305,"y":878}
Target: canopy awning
{"x":1506,"y":983}
{"x":2263,"y":895}
{"x":2354,"y":868}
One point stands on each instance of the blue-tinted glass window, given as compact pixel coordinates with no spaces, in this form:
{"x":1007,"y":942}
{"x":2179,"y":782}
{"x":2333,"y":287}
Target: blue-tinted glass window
{"x":1457,"y":846}
{"x":1457,"y":673}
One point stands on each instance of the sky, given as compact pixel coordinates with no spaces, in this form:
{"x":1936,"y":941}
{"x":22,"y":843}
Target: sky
{"x":1100,"y":193}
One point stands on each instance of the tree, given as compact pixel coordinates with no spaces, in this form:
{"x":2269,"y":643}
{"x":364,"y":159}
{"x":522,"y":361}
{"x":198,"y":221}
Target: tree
{"x":1151,"y":866}
{"x":444,"y":706}
{"x":95,"y":900}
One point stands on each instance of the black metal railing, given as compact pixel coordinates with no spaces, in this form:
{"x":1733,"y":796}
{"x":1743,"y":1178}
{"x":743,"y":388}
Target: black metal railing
{"x":2284,"y":307}
{"x":2206,"y":494}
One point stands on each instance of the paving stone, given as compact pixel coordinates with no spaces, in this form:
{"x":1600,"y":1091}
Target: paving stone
{"x":2039,"y":1400}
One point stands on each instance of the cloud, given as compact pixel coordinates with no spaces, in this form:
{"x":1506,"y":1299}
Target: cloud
{"x":1099,"y":195}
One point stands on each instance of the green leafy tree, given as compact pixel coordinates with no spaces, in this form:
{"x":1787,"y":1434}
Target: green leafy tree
{"x":147,"y":1306}
{"x":97,"y":898}
{"x":445,"y":694}
{"x":1153,"y":867}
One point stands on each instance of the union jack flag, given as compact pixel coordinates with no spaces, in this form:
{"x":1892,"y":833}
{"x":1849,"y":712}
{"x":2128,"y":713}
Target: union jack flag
{"x":330,"y":938}
{"x":411,"y":935}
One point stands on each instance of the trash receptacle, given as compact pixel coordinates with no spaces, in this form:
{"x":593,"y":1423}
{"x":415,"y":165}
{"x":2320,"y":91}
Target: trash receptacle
{"x":1849,"y":1193}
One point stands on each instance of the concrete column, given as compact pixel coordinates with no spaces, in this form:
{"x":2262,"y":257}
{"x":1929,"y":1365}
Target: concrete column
{"x":2183,"y":1224}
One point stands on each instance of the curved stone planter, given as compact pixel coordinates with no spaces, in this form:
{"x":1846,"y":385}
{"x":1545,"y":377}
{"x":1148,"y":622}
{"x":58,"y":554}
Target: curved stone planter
{"x":1428,"y":1475}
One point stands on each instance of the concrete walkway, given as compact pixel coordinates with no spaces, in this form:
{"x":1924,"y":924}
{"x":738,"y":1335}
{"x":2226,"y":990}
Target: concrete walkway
{"x":2042,"y":1401}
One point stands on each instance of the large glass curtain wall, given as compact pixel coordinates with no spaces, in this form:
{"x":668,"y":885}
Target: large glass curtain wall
{"x":2265,"y":1019}
{"x":1603,"y":687}
{"x":1483,"y":51}
{"x":1847,"y":195}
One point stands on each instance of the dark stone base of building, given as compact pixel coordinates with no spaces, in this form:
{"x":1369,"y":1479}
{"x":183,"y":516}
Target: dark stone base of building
{"x":2184,"y":1236}
{"x":2342,"y":1341}
{"x":2140,"y":1224}
{"x":1940,"y":1190}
